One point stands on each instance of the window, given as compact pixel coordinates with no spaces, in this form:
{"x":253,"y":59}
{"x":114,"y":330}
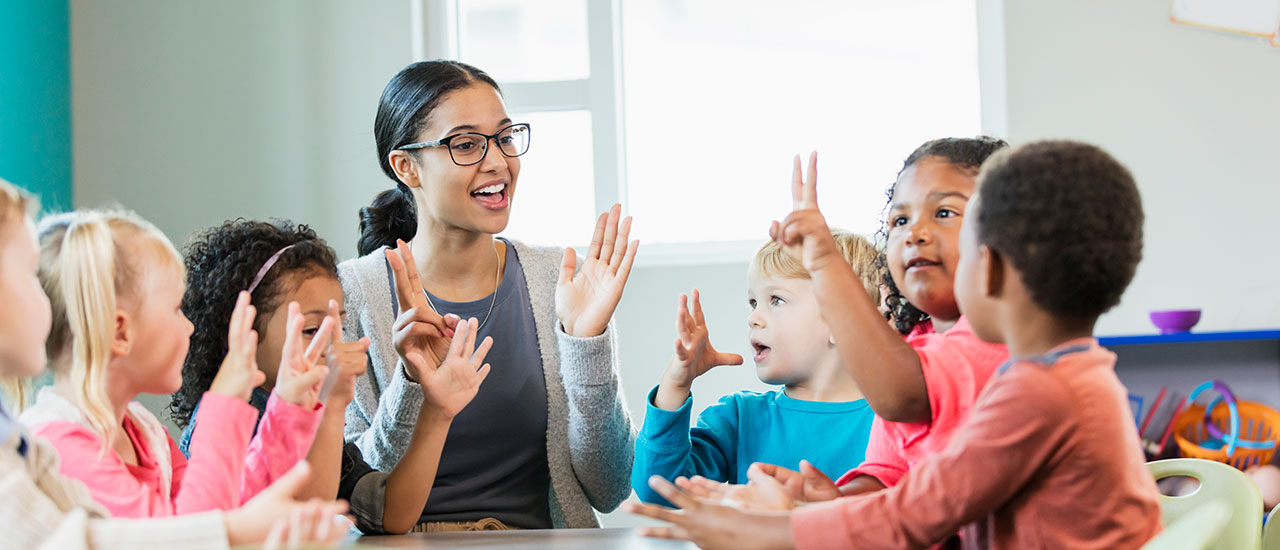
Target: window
{"x":692,"y":109}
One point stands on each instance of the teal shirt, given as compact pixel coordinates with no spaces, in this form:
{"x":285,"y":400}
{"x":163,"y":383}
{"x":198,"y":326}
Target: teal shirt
{"x":744,"y":428}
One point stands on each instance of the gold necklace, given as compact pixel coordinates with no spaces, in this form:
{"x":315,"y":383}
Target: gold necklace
{"x":497,"y":276}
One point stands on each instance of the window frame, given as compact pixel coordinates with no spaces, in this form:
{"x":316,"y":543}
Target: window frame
{"x":435,"y":25}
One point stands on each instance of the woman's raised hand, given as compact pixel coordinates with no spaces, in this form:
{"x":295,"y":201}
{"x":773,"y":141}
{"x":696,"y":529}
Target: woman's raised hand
{"x":587,"y":297}
{"x":418,"y":328}
{"x":451,"y":384}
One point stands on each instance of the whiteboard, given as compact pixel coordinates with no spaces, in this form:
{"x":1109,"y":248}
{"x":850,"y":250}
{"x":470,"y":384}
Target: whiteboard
{"x":1252,"y":17}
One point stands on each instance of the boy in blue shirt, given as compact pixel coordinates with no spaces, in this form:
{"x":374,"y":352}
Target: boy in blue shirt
{"x":819,"y":415}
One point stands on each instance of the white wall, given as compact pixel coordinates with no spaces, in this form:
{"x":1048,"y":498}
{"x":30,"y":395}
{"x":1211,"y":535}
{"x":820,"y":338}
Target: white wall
{"x":1194,"y":114}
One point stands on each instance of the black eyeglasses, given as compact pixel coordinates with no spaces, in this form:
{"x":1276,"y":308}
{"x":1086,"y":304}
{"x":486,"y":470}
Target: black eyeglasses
{"x":470,"y":148}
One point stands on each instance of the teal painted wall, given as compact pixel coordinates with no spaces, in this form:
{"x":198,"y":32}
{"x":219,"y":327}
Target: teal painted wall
{"x":35,"y":99}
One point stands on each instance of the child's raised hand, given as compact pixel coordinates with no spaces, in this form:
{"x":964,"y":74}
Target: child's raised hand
{"x":352,"y":358}
{"x":418,"y":328}
{"x":239,"y":372}
{"x":303,"y":370}
{"x":694,"y":355}
{"x":449,"y":387}
{"x":804,"y":233}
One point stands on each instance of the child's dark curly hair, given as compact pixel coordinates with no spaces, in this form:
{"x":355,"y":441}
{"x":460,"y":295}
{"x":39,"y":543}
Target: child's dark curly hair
{"x":221,"y":262}
{"x":1068,"y":217}
{"x":966,"y":154}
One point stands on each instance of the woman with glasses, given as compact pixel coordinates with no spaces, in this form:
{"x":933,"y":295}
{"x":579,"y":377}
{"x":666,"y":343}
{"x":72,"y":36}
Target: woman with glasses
{"x":547,"y":438}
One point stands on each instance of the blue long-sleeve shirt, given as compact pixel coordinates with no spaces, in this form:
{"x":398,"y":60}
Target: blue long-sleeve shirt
{"x":747,"y":427}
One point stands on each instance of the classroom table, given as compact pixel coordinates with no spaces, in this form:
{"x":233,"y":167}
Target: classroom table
{"x":542,"y":539}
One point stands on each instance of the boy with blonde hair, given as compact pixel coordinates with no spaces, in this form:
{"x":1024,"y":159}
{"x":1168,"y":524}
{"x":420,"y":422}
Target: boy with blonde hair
{"x":819,"y":415}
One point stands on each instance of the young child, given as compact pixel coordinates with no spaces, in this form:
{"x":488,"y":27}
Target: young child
{"x":921,"y":387}
{"x":284,"y":263}
{"x":819,"y":415}
{"x":120,"y":283}
{"x":1052,"y":241}
{"x":39,"y":507}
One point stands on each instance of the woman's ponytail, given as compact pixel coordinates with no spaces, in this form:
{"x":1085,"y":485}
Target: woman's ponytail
{"x":391,"y":216}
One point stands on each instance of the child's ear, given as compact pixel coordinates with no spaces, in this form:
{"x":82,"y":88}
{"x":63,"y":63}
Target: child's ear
{"x":122,"y":336}
{"x":993,"y":272}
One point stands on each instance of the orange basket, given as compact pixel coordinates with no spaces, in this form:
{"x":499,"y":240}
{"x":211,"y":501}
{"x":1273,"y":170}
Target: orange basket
{"x":1258,"y":422}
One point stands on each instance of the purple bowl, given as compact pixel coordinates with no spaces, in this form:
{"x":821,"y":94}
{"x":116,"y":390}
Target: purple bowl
{"x":1176,"y":320}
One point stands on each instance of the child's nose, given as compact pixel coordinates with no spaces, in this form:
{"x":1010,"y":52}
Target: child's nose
{"x":919,"y":232}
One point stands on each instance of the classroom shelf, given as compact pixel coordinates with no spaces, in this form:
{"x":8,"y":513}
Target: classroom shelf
{"x":1189,"y":337}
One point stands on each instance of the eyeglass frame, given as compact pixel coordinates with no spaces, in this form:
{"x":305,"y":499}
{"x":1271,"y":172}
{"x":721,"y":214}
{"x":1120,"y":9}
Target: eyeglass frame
{"x":445,"y":142}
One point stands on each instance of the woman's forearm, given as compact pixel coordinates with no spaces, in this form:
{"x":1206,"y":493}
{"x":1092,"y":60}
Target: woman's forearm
{"x":409,"y":484}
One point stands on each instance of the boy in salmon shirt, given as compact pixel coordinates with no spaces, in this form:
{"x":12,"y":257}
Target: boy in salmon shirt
{"x":1053,"y":237}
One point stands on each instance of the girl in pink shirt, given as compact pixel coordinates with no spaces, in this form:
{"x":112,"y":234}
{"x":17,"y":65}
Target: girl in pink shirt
{"x":116,"y":284}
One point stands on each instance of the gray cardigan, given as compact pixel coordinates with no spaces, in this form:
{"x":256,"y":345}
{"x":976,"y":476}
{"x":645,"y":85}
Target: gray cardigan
{"x":590,"y":436}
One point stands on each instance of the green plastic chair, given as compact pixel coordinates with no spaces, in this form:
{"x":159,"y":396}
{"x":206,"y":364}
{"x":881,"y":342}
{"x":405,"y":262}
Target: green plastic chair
{"x":1198,"y":529}
{"x":1271,"y":531}
{"x":1218,"y":481}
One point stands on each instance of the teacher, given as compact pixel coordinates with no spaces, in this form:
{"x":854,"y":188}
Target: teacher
{"x":547,"y":437}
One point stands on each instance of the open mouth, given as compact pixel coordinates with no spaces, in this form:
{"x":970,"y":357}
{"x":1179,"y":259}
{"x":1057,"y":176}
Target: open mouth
{"x":493,"y":197}
{"x":761,"y":351}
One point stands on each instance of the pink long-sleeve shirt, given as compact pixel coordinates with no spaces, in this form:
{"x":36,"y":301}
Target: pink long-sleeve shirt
{"x":1048,"y":459}
{"x":956,"y":365}
{"x":223,"y":467}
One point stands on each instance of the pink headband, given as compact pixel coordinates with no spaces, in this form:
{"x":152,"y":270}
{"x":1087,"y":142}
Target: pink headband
{"x":267,"y":267}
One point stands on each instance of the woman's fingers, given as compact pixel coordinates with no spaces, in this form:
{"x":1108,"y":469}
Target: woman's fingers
{"x":569,"y":264}
{"x":610,"y":234}
{"x":456,"y":346}
{"x":482,"y":374}
{"x":403,"y":292}
{"x":629,"y":259}
{"x":482,"y":351}
{"x":472,"y":328}
{"x":620,"y":244}
{"x":597,"y":236}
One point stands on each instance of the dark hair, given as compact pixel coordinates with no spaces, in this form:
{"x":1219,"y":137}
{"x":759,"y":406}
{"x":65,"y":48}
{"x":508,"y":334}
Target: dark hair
{"x":1068,"y":216}
{"x":403,"y":111}
{"x":224,"y":260}
{"x":966,"y":154}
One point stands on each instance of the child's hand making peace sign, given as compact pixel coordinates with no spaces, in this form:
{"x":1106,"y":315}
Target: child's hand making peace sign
{"x":302,"y":368}
{"x":804,"y":233}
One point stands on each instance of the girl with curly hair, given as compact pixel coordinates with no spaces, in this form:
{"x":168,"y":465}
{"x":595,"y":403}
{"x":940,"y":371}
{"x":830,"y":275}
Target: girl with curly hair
{"x":287,"y":268}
